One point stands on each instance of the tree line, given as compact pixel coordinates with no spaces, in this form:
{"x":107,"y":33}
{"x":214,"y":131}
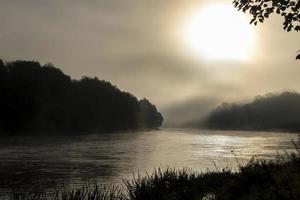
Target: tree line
{"x":42,"y":99}
{"x":268,"y":112}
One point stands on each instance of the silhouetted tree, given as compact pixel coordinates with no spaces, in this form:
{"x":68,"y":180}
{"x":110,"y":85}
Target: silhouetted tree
{"x":149,"y":116}
{"x":269,"y":112}
{"x":37,"y":98}
{"x":262,"y":9}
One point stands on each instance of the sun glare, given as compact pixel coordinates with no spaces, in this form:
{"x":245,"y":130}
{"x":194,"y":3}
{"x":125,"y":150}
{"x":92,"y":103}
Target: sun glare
{"x":219,"y":32}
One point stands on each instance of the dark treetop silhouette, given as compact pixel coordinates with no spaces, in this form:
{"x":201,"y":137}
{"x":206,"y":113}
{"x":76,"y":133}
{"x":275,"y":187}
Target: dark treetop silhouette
{"x":262,"y":9}
{"x":269,"y":112}
{"x":37,"y":98}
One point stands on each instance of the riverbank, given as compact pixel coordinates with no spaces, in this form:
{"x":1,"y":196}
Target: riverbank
{"x":261,"y":179}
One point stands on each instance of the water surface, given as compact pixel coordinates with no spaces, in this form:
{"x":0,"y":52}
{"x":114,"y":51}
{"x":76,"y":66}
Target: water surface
{"x":46,"y":162}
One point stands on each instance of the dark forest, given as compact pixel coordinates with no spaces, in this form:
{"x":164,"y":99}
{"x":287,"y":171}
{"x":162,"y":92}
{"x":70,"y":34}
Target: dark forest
{"x":42,"y":99}
{"x":269,"y":112}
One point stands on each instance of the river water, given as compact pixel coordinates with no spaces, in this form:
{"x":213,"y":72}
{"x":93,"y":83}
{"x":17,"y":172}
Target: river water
{"x":45,"y":162}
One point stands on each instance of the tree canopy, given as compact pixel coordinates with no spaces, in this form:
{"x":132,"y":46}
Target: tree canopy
{"x":37,"y":98}
{"x":268,"y":112}
{"x":262,"y":9}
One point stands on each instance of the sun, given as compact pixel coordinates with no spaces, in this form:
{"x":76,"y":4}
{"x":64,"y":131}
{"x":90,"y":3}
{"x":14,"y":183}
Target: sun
{"x":219,"y":32}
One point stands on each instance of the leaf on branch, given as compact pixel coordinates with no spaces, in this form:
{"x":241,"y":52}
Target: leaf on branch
{"x":298,"y":55}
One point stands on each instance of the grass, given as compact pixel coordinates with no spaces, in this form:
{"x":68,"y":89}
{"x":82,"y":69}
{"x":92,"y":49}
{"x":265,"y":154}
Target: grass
{"x":94,"y":192}
{"x":259,"y":179}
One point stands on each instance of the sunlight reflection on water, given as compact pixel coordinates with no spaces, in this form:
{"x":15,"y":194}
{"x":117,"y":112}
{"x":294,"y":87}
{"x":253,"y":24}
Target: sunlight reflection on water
{"x":107,"y":158}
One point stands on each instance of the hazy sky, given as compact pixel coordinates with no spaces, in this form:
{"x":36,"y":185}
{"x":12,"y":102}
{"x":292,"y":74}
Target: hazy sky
{"x":139,"y":45}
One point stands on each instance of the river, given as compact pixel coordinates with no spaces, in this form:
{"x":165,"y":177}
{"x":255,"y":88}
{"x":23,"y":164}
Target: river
{"x":46,"y":162}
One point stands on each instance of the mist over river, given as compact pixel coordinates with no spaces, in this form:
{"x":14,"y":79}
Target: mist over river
{"x":47,"y":162}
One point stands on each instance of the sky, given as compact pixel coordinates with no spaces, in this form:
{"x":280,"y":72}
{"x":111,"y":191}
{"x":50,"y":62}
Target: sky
{"x":141,"y":46}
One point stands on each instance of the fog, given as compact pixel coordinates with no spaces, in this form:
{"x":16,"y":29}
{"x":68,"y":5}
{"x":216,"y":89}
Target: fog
{"x":135,"y":45}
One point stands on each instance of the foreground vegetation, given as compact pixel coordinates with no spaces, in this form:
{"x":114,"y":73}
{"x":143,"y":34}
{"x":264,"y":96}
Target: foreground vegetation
{"x":277,"y":179}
